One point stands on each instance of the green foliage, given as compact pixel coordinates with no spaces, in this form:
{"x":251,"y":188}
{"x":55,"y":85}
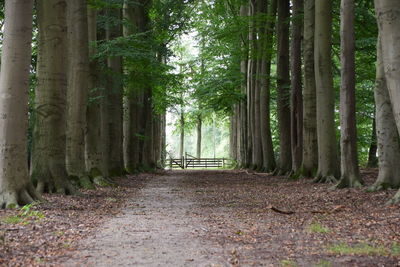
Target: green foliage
{"x":316,"y":227}
{"x":26,"y":215}
{"x":359,"y":249}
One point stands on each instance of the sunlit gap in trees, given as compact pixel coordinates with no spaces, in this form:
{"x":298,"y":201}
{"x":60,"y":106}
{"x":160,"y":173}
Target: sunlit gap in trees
{"x":184,"y":116}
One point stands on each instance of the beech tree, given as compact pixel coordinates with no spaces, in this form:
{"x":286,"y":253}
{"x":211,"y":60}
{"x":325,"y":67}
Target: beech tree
{"x":350,"y":176}
{"x":283,"y":88}
{"x":388,"y":16}
{"x":77,"y":92}
{"x":328,"y":167}
{"x":15,"y":186}
{"x":386,"y":132}
{"x":310,"y":144}
{"x":296,"y":88}
{"x":48,"y":170}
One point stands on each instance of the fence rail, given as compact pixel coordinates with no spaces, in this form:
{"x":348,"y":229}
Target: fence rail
{"x":191,"y":162}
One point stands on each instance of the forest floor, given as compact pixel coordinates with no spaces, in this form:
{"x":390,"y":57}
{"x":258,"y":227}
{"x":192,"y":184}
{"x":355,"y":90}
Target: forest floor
{"x":206,"y":218}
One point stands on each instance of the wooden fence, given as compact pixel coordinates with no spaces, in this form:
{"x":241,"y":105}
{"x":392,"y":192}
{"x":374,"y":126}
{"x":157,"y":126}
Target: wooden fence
{"x":190,"y":162}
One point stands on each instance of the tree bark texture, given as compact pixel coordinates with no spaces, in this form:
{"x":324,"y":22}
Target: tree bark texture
{"x":328,"y":167}
{"x":267,"y":33}
{"x":132,"y":100}
{"x":48,"y":169}
{"x":199,"y":136}
{"x":310,"y":144}
{"x":114,"y":97}
{"x":388,"y":16}
{"x":15,"y":186}
{"x":296,"y":88}
{"x":77,"y":92}
{"x":386,"y":132}
{"x":373,"y":148}
{"x":283,"y":88}
{"x":350,"y":174}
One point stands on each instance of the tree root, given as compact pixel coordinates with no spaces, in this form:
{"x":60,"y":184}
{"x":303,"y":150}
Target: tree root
{"x":65,"y":188}
{"x":347,"y":182}
{"x":395,"y":199}
{"x":328,"y":179}
{"x":103,"y":181}
{"x":16,"y":198}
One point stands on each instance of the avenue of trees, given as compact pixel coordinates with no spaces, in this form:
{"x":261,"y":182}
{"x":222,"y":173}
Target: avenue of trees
{"x":85,"y":86}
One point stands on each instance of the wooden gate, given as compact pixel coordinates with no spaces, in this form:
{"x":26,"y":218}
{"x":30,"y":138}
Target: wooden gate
{"x":191,"y":162}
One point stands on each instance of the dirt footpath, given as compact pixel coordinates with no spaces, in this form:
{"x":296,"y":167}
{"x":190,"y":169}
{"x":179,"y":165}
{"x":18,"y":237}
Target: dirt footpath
{"x":232,"y":218}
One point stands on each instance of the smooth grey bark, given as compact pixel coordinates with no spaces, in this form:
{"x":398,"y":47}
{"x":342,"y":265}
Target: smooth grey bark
{"x":373,"y":148}
{"x":283,"y":88}
{"x":182,"y":133}
{"x":386,"y":132}
{"x":132,"y":100}
{"x":388,"y":16}
{"x":199,"y":136}
{"x":114,"y":97}
{"x":48,"y":169}
{"x":96,"y":150}
{"x":15,"y":186}
{"x":267,"y":32}
{"x":77,"y":90}
{"x":250,"y":86}
{"x":296,"y":88}
{"x":350,"y":174}
{"x":243,"y":141}
{"x":328,"y":167}
{"x":310,"y":145}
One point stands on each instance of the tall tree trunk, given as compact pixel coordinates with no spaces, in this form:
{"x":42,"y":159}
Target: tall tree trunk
{"x":132,"y":116}
{"x":328,"y":167}
{"x":78,"y":77}
{"x":283,"y":88}
{"x":388,"y":15}
{"x":350,"y":175}
{"x":48,"y":169}
{"x":114,"y":97}
{"x":243,"y":141}
{"x":386,"y":132}
{"x":373,"y":148}
{"x":267,"y":33}
{"x":198,"y":146}
{"x":296,"y":86}
{"x":250,"y":86}
{"x":15,"y":186}
{"x":182,"y":135}
{"x":310,"y":144}
{"x":96,"y":135}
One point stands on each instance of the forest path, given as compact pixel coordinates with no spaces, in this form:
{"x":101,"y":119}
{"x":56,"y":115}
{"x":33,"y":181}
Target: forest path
{"x":225,"y":218}
{"x":156,"y":229}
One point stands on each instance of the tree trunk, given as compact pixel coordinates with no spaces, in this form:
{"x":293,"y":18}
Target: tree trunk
{"x":114,"y":97}
{"x":296,"y":86}
{"x":132,"y":117}
{"x":249,"y":90}
{"x":310,"y":144}
{"x":269,"y":163}
{"x":386,"y":132}
{"x":283,"y":88}
{"x":199,"y":126}
{"x":373,"y":148}
{"x":182,"y":136}
{"x":15,"y":186}
{"x":243,"y":141}
{"x":328,"y":168}
{"x":49,"y":147}
{"x":388,"y":15}
{"x":96,"y":131}
{"x":350,"y":175}
{"x":78,"y":70}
